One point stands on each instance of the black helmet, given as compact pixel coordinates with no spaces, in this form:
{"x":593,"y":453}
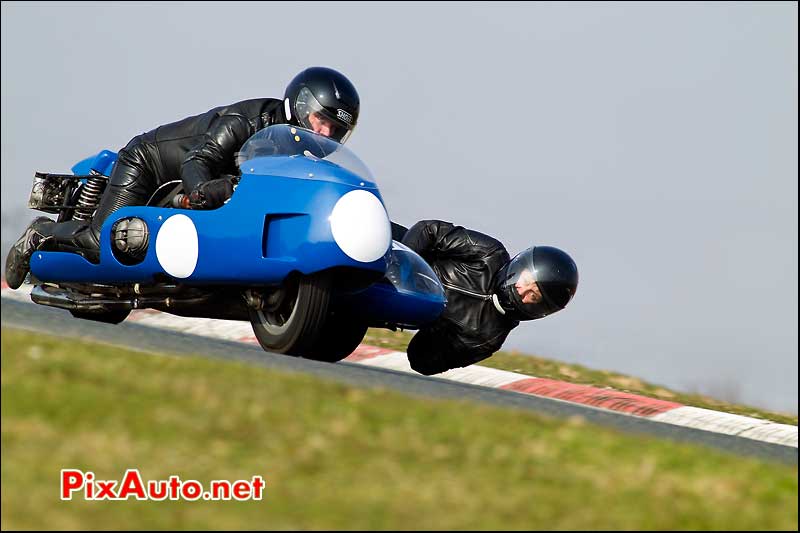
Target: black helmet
{"x":537,"y":282}
{"x":328,"y":95}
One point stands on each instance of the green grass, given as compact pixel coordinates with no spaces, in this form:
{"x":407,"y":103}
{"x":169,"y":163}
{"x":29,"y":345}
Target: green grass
{"x":340,"y":457}
{"x":548,"y":368}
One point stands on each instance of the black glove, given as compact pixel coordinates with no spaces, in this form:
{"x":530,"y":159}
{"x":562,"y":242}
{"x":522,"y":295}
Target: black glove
{"x":211,"y":194}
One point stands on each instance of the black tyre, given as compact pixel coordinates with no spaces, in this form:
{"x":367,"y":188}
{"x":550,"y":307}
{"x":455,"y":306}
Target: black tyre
{"x":339,"y":337}
{"x":109,"y":317}
{"x":292,"y":322}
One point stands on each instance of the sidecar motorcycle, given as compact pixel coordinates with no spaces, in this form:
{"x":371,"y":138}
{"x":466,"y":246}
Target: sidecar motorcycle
{"x":303,"y":250}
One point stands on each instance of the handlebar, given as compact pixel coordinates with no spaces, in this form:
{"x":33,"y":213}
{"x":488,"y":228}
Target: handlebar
{"x":181,"y":201}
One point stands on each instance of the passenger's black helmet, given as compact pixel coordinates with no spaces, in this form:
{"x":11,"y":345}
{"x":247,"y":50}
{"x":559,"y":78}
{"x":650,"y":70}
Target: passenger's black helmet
{"x":327,"y":93}
{"x":537,"y":282}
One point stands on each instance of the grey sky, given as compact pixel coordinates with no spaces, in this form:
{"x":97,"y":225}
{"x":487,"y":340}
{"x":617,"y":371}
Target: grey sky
{"x":656,"y":143}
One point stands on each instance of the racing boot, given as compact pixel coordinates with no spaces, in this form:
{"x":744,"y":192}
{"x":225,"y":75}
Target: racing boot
{"x":79,"y":237}
{"x":18,"y":262}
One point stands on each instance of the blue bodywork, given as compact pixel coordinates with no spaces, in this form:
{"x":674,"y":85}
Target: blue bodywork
{"x":276,"y":223}
{"x":410,"y":293}
{"x":101,"y":163}
{"x":270,"y":227}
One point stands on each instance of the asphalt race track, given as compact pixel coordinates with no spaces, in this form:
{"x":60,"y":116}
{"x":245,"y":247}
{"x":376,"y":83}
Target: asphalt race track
{"x":140,"y":337}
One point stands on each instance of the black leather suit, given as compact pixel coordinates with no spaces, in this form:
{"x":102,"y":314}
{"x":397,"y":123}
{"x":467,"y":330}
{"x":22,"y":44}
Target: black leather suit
{"x":194,"y":150}
{"x":471,"y":328}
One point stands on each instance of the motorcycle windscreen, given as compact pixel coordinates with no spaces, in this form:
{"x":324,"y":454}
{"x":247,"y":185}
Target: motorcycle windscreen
{"x":284,"y":140}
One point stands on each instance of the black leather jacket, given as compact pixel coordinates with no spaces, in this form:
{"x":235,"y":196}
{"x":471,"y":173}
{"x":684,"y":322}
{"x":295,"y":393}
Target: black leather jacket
{"x":471,"y":328}
{"x":199,"y":148}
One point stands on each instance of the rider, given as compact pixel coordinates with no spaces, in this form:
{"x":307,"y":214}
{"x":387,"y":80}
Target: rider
{"x":196,"y":149}
{"x":488,"y":293}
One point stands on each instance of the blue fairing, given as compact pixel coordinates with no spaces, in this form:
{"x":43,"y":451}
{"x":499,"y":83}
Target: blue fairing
{"x":410,"y":295}
{"x":270,"y":227}
{"x":384,"y":304}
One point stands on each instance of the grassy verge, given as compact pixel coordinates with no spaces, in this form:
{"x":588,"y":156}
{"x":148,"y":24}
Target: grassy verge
{"x":339,"y":457}
{"x":548,"y":368}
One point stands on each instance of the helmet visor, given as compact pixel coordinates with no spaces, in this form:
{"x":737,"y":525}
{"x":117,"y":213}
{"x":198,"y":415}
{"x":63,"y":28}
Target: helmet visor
{"x":312,"y":115}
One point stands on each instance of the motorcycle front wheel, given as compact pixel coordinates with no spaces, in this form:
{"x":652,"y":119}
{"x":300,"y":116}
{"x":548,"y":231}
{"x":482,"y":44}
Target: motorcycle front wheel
{"x":292,"y":319}
{"x":340,"y":336}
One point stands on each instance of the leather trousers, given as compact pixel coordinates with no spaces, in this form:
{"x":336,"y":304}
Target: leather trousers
{"x":131,"y":183}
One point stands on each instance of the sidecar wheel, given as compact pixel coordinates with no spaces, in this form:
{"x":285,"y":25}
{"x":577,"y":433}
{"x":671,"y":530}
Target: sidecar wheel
{"x":293,"y":323}
{"x":109,"y":317}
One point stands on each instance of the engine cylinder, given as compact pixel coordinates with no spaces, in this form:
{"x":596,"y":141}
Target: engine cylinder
{"x":131,"y":238}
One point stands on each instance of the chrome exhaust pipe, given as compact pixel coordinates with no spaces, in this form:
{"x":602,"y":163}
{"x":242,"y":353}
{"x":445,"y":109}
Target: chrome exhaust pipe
{"x":64,"y":299}
{"x":74,"y":301}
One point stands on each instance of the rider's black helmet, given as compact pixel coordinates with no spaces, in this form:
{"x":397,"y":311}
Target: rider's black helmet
{"x":537,"y":282}
{"x":326,"y":92}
